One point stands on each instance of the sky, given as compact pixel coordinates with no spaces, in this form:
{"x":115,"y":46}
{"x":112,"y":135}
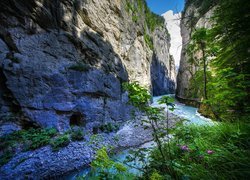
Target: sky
{"x":170,"y":10}
{"x":162,"y":6}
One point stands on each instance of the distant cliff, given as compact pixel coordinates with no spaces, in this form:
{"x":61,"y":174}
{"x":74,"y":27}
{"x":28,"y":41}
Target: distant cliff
{"x":63,"y":62}
{"x":197,"y":14}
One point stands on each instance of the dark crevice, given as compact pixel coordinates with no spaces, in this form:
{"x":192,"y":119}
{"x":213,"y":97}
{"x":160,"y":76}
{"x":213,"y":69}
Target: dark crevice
{"x":96,"y":94}
{"x":77,"y":119}
{"x":28,"y":125}
{"x":7,"y":95}
{"x":6,"y":37}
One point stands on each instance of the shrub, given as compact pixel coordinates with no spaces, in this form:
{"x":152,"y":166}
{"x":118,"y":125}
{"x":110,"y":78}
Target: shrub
{"x":109,"y":127}
{"x":59,"y":142}
{"x":216,"y":152}
{"x":138,"y":96}
{"x":105,"y":168}
{"x":77,"y":135}
{"x":32,"y":138}
{"x":139,"y":8}
{"x":29,"y":139}
{"x":148,"y":40}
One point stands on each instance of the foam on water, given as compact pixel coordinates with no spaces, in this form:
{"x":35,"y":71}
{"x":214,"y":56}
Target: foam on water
{"x":187,"y":112}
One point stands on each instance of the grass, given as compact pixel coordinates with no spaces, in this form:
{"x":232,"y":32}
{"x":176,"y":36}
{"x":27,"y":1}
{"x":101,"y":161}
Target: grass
{"x":26,"y":139}
{"x":32,"y":139}
{"x":214,"y":152}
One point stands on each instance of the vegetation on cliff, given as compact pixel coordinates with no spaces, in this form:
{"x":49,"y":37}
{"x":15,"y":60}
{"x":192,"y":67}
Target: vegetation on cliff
{"x":224,"y":49}
{"x":140,"y":9}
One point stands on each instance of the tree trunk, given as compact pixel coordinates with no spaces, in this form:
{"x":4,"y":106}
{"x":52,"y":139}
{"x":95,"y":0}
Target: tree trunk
{"x":204,"y":70}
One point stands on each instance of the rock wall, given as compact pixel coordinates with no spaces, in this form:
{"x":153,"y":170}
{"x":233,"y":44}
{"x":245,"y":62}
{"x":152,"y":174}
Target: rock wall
{"x":62,"y":60}
{"x":162,"y":72}
{"x":191,"y":20}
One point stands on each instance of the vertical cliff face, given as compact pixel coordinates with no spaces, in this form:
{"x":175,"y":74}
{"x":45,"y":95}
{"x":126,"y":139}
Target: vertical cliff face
{"x":193,"y":17}
{"x":162,"y":71}
{"x":63,"y":60}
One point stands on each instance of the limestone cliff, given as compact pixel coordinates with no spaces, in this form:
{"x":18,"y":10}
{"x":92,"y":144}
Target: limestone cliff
{"x":63,"y":62}
{"x":194,"y":16}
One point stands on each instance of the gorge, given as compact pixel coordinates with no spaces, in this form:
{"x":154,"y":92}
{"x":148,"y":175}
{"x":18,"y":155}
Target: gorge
{"x":77,"y":76}
{"x":63,"y":64}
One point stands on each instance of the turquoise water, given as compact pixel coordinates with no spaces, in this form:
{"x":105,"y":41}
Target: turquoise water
{"x":187,"y":112}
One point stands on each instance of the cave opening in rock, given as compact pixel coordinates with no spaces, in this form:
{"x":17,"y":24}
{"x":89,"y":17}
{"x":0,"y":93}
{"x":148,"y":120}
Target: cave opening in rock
{"x":26,"y":125}
{"x":77,"y":119}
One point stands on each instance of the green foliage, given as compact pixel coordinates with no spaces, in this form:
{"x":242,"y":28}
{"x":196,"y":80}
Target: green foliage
{"x":138,"y":96}
{"x":227,"y":42}
{"x":105,"y":168}
{"x":202,"y":5}
{"x":169,"y":101}
{"x":157,"y":120}
{"x":230,"y":85}
{"x":156,"y":176}
{"x":30,"y":139}
{"x":140,"y":8}
{"x":82,"y":67}
{"x":59,"y":142}
{"x":200,"y":44}
{"x":153,"y":20}
{"x":96,"y":139}
{"x":77,"y":135}
{"x":130,"y":7}
{"x":109,"y":127}
{"x":212,"y":152}
{"x":228,"y":45}
{"x":148,"y":41}
{"x":135,"y":18}
{"x":196,"y":84}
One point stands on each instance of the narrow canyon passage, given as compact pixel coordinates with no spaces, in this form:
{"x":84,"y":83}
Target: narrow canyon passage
{"x":83,"y":82}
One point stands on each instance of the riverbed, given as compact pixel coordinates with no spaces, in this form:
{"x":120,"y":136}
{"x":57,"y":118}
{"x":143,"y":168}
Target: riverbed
{"x":190,"y":114}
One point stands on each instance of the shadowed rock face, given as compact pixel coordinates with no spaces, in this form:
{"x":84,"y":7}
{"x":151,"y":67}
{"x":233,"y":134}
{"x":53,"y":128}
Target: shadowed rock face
{"x":62,"y":63}
{"x":162,"y":66}
{"x":54,"y":65}
{"x":63,"y":57}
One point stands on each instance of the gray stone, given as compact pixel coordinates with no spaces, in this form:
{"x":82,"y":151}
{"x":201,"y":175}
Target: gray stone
{"x":61,"y":60}
{"x":187,"y":70}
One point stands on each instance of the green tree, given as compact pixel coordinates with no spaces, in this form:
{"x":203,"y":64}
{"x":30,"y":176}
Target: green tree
{"x":231,"y":83}
{"x":200,"y":44}
{"x":156,"y":119}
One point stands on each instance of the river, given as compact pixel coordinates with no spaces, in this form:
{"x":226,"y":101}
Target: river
{"x":186,"y":112}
